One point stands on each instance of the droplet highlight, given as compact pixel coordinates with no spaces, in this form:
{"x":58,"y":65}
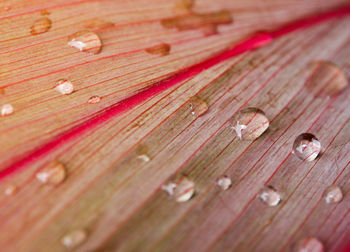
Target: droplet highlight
{"x":269,"y":196}
{"x":249,"y":123}
{"x":162,"y":49}
{"x":94,"y":99}
{"x":224,"y":182}
{"x":144,"y":158}
{"x":10,"y":189}
{"x":308,"y":245}
{"x":306,"y":147}
{"x":64,"y":87}
{"x":85,"y":41}
{"x":327,"y":79}
{"x":198,"y":106}
{"x":41,"y":25}
{"x":53,"y":173}
{"x":181,"y":191}
{"x":6,"y":109}
{"x":333,"y":194}
{"x":74,"y":238}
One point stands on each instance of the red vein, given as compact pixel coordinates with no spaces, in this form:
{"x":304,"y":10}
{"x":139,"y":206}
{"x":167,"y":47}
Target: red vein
{"x":251,"y":43}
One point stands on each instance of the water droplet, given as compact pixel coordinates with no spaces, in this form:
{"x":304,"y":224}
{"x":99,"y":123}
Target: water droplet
{"x":308,"y":245}
{"x":249,"y":123}
{"x":74,"y":238}
{"x":41,"y":25}
{"x":10,"y":189}
{"x":182,"y":190}
{"x":183,"y":6}
{"x":94,"y":99}
{"x":52,"y":173}
{"x":6,"y":110}
{"x":144,"y":158}
{"x":64,"y":86}
{"x":224,"y":182}
{"x":270,"y":196}
{"x":306,"y":147}
{"x":327,"y":80}
{"x":198,"y":107}
{"x":44,"y":12}
{"x":85,"y":41}
{"x":161,"y":49}
{"x":333,"y":194}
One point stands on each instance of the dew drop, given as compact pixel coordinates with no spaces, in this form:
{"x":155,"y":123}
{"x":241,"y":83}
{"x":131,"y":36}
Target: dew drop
{"x":74,"y":238}
{"x":85,"y":41}
{"x":269,"y":196}
{"x":224,"y":182}
{"x":94,"y":99}
{"x":327,"y":80}
{"x":41,"y":25}
{"x":249,"y":123}
{"x":144,"y":158}
{"x":10,"y":189}
{"x":64,"y":87}
{"x":162,"y":49}
{"x":181,"y":191}
{"x":306,"y":147}
{"x":6,"y":109}
{"x":198,"y":107}
{"x":53,"y":173}
{"x":308,"y":245}
{"x":333,"y":194}
{"x":44,"y":12}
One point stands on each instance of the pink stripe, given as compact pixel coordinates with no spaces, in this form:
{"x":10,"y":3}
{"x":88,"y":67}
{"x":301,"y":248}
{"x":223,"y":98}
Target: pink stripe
{"x":255,"y":41}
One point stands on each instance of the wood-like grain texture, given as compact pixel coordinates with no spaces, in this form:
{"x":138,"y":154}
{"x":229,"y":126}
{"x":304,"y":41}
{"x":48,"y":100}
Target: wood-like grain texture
{"x":116,"y":196}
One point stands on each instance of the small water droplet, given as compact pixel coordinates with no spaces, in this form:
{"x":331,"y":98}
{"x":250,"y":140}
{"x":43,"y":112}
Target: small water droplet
{"x":249,"y":123}
{"x":40,"y":25}
{"x":308,"y":245}
{"x":333,"y":194}
{"x":198,"y":107}
{"x":6,"y":110}
{"x":306,"y":147}
{"x":64,"y":87}
{"x":96,"y":23}
{"x":161,"y":49}
{"x":10,"y":189}
{"x":44,"y":12}
{"x":327,"y":80}
{"x":183,"y":6}
{"x":269,"y":196}
{"x":94,"y":99}
{"x":144,"y":158}
{"x":182,"y":190}
{"x":52,"y":173}
{"x":74,"y":238}
{"x":224,"y":182}
{"x":85,"y":41}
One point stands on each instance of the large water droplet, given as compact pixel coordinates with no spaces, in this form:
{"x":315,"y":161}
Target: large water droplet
{"x":308,"y":245}
{"x":6,"y":109}
{"x":182,"y":190}
{"x":94,"y":99}
{"x":327,"y":80}
{"x":306,"y":147}
{"x":269,"y":196}
{"x":198,"y":107}
{"x":52,"y":173}
{"x":10,"y":189}
{"x":224,"y":182}
{"x":41,"y":25}
{"x":64,"y":87}
{"x":74,"y":238}
{"x":333,"y":194}
{"x":249,"y":123}
{"x":85,"y":41}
